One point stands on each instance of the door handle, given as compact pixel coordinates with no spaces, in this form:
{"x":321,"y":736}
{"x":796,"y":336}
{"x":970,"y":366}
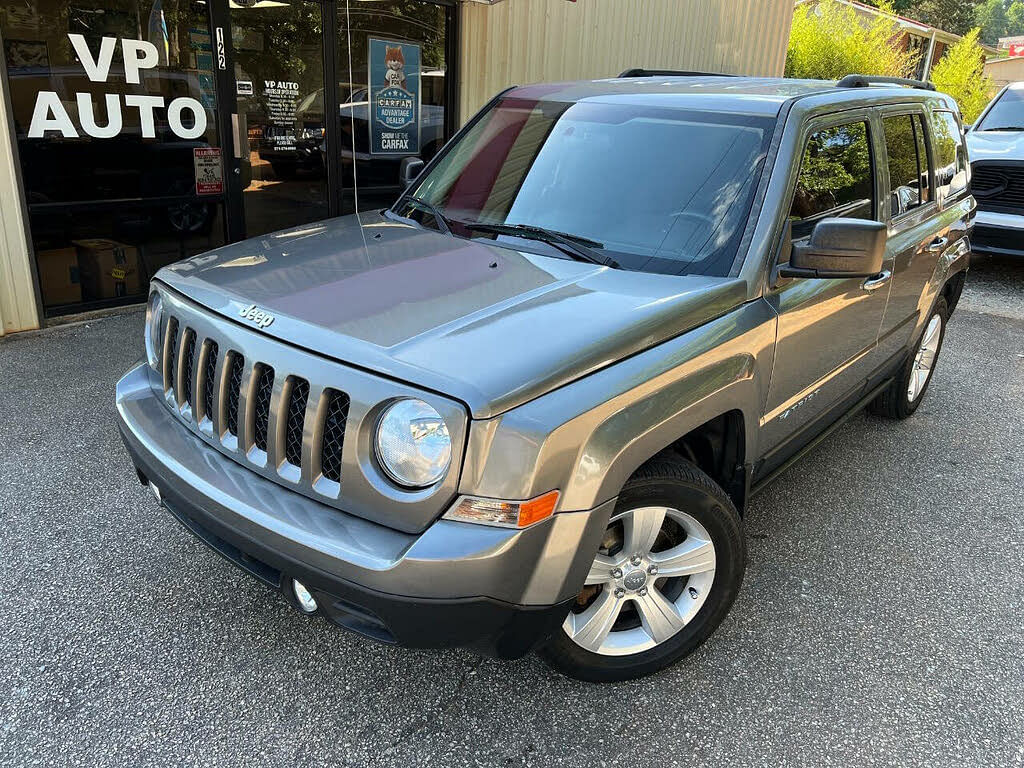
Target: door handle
{"x":937,"y":244}
{"x":236,"y":134}
{"x":875,"y":282}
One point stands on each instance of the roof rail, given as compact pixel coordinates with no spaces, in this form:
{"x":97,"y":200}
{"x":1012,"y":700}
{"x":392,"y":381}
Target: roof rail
{"x":863,"y":81}
{"x":641,"y":72}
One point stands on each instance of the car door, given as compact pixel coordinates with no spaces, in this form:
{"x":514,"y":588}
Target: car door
{"x":827,"y":328}
{"x":926,"y":219}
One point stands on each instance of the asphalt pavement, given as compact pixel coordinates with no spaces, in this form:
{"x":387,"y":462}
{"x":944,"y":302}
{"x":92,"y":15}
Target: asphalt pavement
{"x":880,"y":622}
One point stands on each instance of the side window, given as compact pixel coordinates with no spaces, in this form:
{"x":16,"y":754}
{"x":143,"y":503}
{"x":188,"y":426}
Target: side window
{"x":923,"y":158}
{"x":908,"y":163}
{"x":950,"y":156}
{"x":836,"y":178}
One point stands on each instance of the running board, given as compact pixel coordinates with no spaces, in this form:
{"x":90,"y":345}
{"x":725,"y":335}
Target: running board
{"x":857,"y":407}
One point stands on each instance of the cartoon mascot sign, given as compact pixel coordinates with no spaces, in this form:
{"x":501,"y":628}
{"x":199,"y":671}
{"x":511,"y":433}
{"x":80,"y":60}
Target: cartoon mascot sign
{"x":394,"y":90}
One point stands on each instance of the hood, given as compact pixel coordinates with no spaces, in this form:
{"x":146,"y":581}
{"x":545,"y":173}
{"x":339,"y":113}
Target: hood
{"x":488,"y":325}
{"x":995,"y":145}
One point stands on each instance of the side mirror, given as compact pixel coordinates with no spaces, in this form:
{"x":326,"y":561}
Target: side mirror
{"x":409,"y":169}
{"x":839,"y":248}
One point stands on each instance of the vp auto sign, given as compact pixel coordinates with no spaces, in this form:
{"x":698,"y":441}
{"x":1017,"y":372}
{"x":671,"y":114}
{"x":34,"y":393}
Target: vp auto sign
{"x":50,"y":114}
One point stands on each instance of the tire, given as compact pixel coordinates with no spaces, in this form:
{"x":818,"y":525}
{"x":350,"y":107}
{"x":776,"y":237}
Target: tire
{"x":695,"y":508}
{"x":897,"y":401}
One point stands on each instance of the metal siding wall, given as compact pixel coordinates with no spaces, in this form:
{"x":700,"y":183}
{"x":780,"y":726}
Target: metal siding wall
{"x":1005,"y":71}
{"x":18,"y":310}
{"x":523,"y":41}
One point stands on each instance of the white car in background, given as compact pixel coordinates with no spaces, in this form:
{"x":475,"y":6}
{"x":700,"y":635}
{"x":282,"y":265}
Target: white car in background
{"x":995,"y":145}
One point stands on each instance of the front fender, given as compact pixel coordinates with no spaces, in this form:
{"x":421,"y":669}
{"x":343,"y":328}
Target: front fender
{"x":588,"y":437}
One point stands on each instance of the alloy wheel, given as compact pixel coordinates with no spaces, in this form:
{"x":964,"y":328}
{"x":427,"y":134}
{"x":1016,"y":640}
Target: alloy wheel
{"x":651,"y":576}
{"x":924,"y":361}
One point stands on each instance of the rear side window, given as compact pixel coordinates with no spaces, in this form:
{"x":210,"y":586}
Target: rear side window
{"x":836,"y":178}
{"x":950,"y":156}
{"x":907,"y":156}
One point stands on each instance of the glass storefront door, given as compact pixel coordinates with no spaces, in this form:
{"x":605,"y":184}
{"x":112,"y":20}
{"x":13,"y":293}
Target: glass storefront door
{"x":385,"y":48}
{"x":279,"y":86}
{"x":149,"y":131}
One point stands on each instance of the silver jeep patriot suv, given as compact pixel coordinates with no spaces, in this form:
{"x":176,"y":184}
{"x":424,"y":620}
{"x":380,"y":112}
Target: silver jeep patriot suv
{"x":525,"y":406}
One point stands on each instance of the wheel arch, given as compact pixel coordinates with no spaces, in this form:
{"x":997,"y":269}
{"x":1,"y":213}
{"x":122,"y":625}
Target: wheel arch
{"x":699,"y":394}
{"x":719,"y":444}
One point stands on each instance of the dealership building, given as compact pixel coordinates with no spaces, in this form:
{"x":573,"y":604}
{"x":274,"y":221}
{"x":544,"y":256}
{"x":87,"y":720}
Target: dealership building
{"x":134,"y":133}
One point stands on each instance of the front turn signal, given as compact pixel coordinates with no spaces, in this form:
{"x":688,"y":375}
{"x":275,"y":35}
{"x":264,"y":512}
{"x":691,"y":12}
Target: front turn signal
{"x":506,"y":514}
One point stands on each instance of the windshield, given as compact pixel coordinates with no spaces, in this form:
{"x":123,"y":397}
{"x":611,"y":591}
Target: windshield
{"x":1007,"y":113}
{"x":661,"y":189}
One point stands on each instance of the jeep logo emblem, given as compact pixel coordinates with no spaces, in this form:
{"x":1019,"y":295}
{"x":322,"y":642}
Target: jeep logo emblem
{"x":257,"y":316}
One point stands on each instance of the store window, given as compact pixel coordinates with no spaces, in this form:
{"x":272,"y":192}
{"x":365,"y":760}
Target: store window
{"x":392,"y":92}
{"x":115,"y":120}
{"x":279,"y":82}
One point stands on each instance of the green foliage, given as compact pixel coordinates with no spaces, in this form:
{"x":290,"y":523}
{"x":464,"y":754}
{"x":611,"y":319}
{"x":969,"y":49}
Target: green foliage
{"x":834,"y":160}
{"x":829,"y":40}
{"x":999,"y":18}
{"x":1015,"y":18}
{"x":956,"y":16}
{"x":961,"y":74}
{"x":990,"y":16}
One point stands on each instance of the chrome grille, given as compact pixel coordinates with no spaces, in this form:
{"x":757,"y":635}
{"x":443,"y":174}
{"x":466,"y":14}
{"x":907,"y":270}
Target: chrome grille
{"x":210,"y":378}
{"x":298,"y":398}
{"x":189,"y":363}
{"x":169,"y":352}
{"x":234,"y":390}
{"x":291,"y":415}
{"x":334,"y":435}
{"x":261,"y":412}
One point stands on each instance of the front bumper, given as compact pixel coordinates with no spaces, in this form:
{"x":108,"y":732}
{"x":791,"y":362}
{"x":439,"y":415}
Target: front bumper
{"x":998,"y":234}
{"x":496,"y":590}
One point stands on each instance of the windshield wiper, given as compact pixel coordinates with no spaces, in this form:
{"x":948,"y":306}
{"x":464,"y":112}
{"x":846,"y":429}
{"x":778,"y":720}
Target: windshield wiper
{"x":423,"y":205}
{"x":1003,"y":128}
{"x":580,"y":248}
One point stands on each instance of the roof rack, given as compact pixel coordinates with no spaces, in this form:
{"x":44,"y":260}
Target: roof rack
{"x":863,"y":81}
{"x":641,"y":72}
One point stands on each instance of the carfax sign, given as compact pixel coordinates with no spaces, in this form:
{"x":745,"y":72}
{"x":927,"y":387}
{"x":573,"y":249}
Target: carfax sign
{"x":394,"y":89}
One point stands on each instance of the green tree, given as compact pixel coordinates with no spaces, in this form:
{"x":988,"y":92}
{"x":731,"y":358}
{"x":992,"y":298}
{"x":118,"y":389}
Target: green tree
{"x":896,"y":6}
{"x":956,"y":16}
{"x":829,"y":40}
{"x":961,"y":74}
{"x":1015,"y":18}
{"x":990,"y":16}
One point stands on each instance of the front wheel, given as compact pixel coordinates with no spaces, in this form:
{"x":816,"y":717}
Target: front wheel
{"x":667,"y":572}
{"x":902,"y":397}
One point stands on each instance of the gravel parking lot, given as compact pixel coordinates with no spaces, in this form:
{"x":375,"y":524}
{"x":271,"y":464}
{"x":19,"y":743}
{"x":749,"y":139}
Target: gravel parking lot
{"x":880,"y":622}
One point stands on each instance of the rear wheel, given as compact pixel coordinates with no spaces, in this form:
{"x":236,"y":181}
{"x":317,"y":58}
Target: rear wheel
{"x":902,"y":397}
{"x":668,"y":569}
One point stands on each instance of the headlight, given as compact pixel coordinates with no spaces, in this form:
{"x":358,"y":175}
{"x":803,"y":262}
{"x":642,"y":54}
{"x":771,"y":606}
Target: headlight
{"x":413,"y":445}
{"x":153,"y":339}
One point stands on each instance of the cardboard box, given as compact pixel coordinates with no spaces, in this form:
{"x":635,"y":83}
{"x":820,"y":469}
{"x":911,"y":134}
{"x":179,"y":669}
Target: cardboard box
{"x":109,"y":269}
{"x":59,"y":277}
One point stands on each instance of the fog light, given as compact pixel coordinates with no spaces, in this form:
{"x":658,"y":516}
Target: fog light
{"x":306,"y":600}
{"x":156,"y":494}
